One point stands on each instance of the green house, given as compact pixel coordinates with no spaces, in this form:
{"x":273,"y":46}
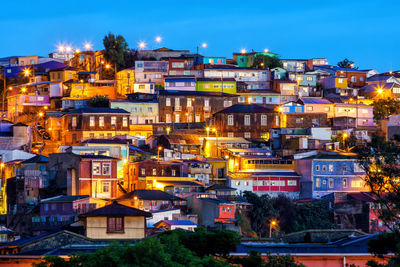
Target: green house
{"x":225,"y":85}
{"x":247,"y":59}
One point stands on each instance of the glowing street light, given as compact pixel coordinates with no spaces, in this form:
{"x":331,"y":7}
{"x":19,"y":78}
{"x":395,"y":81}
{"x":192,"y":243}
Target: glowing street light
{"x":208,"y":131}
{"x":40,"y":114}
{"x":158,"y":39}
{"x":68,"y":49}
{"x":168,"y":129}
{"x":266,"y":50}
{"x":142,"y":45}
{"x":61,"y":48}
{"x":77,"y":51}
{"x":88,"y":46}
{"x":204,"y":45}
{"x":380,"y":90}
{"x":272,"y":223}
{"x":23,"y":90}
{"x":108,"y":66}
{"x":159,"y":148}
{"x":2,"y":165}
{"x":27,"y":72}
{"x":243,"y":51}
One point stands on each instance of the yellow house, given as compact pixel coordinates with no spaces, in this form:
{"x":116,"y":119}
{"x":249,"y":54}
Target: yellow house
{"x":218,"y":171}
{"x":64,"y":74}
{"x":116,"y":221}
{"x":85,"y":90}
{"x":125,"y":80}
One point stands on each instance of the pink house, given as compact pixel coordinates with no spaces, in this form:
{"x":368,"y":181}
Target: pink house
{"x":364,"y":114}
{"x":317,"y":105}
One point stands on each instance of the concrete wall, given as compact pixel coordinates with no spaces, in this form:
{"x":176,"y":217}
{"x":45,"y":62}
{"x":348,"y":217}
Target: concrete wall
{"x":134,"y":227}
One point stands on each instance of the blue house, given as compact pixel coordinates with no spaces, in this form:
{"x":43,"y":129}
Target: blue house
{"x":330,"y":172}
{"x":293,"y":107}
{"x":214,"y":60}
{"x":309,"y":80}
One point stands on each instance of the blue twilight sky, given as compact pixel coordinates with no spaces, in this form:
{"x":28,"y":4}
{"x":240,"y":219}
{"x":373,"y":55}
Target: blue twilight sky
{"x":365,"y":31}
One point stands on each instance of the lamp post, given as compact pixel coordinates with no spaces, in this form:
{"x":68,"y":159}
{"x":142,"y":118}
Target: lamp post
{"x":216,"y":139}
{"x":272,"y":223}
{"x":208,"y":131}
{"x":159,"y":148}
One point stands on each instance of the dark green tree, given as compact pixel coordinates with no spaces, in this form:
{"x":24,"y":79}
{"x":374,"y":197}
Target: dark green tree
{"x":98,"y":101}
{"x":347,"y":64}
{"x":313,"y":215}
{"x":383,"y":108}
{"x":255,"y":260}
{"x":262,"y":211}
{"x":115,"y":50}
{"x":266,"y":62}
{"x":380,"y":160}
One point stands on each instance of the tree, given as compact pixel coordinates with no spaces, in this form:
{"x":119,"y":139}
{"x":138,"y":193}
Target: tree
{"x":383,"y":108}
{"x":266,"y":62}
{"x":313,"y":215}
{"x":262,"y":211}
{"x":98,"y":101}
{"x":346,"y":64}
{"x":255,"y":260}
{"x":380,"y":160}
{"x":115,"y":50}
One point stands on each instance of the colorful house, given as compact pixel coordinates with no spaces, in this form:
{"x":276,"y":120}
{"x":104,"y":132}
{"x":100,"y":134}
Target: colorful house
{"x":116,"y":221}
{"x":180,"y":83}
{"x":247,"y":59}
{"x":223,"y":85}
{"x":317,"y":105}
{"x":214,"y":60}
{"x":330,"y":172}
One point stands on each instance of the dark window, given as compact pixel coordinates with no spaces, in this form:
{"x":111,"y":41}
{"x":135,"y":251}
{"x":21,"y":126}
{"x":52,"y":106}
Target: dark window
{"x":115,"y":224}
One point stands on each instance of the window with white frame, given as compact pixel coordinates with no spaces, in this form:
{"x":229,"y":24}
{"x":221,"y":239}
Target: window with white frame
{"x":310,"y":108}
{"x":177,"y":117}
{"x":357,"y":183}
{"x":292,"y":183}
{"x":317,"y":167}
{"x":173,"y":172}
{"x":330,"y":183}
{"x":168,"y":118}
{"x":353,"y":79}
{"x":247,"y":135}
{"x":206,"y":103}
{"x":168,"y":102}
{"x":189,"y":102}
{"x":330,"y":167}
{"x":344,"y":182}
{"x":73,"y":123}
{"x":264,"y":120}
{"x":143,"y":171}
{"x":317,"y":182}
{"x":92,"y":121}
{"x":113,"y":121}
{"x":101,"y":121}
{"x":324,"y":168}
{"x":230,"y":120}
{"x":105,"y":187}
{"x":96,"y":168}
{"x":154,"y":171}
{"x":125,"y":121}
{"x":340,"y":80}
{"x":106,"y":168}
{"x":230,"y":135}
{"x":150,"y":109}
{"x":247,"y":120}
{"x":177,"y":102}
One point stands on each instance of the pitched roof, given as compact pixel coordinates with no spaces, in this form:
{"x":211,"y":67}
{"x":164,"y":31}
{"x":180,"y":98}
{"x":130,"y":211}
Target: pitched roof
{"x":63,"y":198}
{"x":151,"y":195}
{"x":220,"y":187}
{"x":116,"y":209}
{"x":314,"y":100}
{"x":246,"y":108}
{"x":194,"y":93}
{"x":371,"y":88}
{"x":178,"y":222}
{"x":106,"y":141}
{"x":217,"y":200}
{"x":98,"y":110}
{"x":215,"y":79}
{"x":96,"y":157}
{"x":36,"y":159}
{"x":183,"y":139}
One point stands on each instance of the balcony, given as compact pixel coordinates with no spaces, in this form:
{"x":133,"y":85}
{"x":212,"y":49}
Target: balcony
{"x":200,"y":170}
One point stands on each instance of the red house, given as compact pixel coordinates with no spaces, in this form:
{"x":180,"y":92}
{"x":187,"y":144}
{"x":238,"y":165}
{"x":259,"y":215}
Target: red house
{"x":92,"y":175}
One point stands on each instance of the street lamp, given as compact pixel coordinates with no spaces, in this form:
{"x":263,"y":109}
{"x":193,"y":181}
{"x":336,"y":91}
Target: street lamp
{"x":272,"y":223}
{"x":168,"y":129}
{"x":159,"y":148}
{"x":27,"y":72}
{"x":158,"y":39}
{"x":208,"y":131}
{"x":142,"y":45}
{"x":88,"y":46}
{"x":344,"y":137}
{"x":204,"y":45}
{"x":243,"y":51}
{"x":68,"y":49}
{"x":266,"y":50}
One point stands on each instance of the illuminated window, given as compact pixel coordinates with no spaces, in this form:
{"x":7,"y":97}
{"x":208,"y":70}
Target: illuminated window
{"x":230,"y":135}
{"x":113,"y":121}
{"x":168,"y":118}
{"x":177,"y":117}
{"x":173,"y":172}
{"x":189,"y":102}
{"x":168,"y":102}
{"x":125,"y":121}
{"x":309,"y":108}
{"x":92,"y":121}
{"x":101,"y":121}
{"x":143,"y":171}
{"x":177,"y":102}
{"x":318,"y":182}
{"x":309,"y":79}
{"x":206,"y":103}
{"x":291,"y":182}
{"x":96,"y":168}
{"x":330,"y":167}
{"x":247,"y":135}
{"x":154,"y":172}
{"x":73,"y":121}
{"x":340,"y":80}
